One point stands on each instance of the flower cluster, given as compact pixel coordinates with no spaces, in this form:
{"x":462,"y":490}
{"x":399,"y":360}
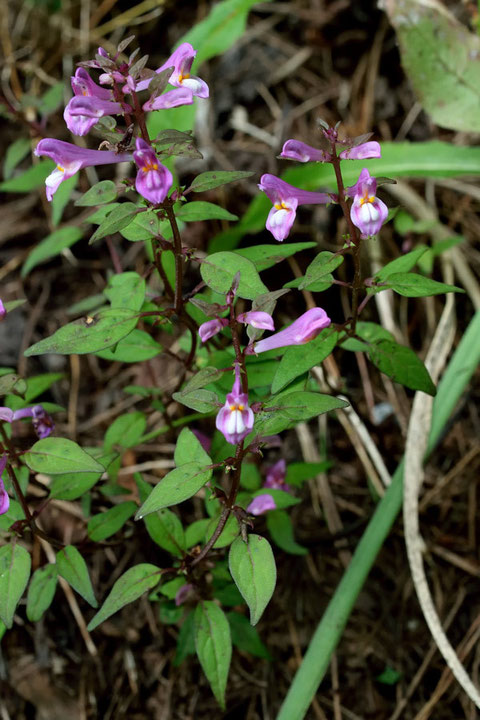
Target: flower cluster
{"x":368,"y":213}
{"x":118,"y":97}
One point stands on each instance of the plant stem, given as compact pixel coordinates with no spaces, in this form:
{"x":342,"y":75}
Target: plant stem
{"x":177,"y":244}
{"x":140,"y":117}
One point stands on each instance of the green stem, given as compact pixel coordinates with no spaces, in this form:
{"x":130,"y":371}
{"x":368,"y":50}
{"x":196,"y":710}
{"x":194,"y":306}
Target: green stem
{"x":328,"y":633}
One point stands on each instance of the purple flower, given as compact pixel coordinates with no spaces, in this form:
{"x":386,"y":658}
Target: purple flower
{"x":41,"y":420}
{"x":153,"y":180}
{"x":301,"y":331}
{"x":204,"y":440}
{"x":296,"y":150}
{"x":235,"y":419}
{"x":285,"y":199}
{"x":276,"y":477}
{"x":183,"y":593}
{"x":261,"y":504}
{"x":257,"y":319}
{"x":82,"y":113}
{"x":211,"y":327}
{"x":181,"y":60}
{"x":4,"y":499}
{"x":82,"y":84}
{"x":364,"y":151}
{"x":3,"y":312}
{"x":170,"y":99}
{"x":71,"y":158}
{"x":368,"y":213}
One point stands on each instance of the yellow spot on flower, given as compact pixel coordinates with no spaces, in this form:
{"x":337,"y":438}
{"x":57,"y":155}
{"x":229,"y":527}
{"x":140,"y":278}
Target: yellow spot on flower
{"x":150,"y":165}
{"x":182,"y":77}
{"x":59,"y":167}
{"x":236,"y":407}
{"x":280,"y":206}
{"x":366,"y":199}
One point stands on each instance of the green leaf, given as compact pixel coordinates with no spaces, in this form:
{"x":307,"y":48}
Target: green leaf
{"x":41,"y":591}
{"x":136,"y":347}
{"x":185,"y":640}
{"x":171,"y":588}
{"x":252,"y":567}
{"x":369,"y":332}
{"x":323,"y":264}
{"x":177,"y":486}
{"x":130,"y":586}
{"x":12,"y":383}
{"x":219,"y":270}
{"x":318,"y":286}
{"x":126,"y":290}
{"x":280,"y":528}
{"x":106,"y":524}
{"x":126,"y":430}
{"x":37,"y":384}
{"x":441,"y":58}
{"x":15,"y":566}
{"x":101,"y":193}
{"x":297,"y":473}
{"x":146,"y":225}
{"x":70,"y":486}
{"x":203,"y":377}
{"x":120,"y":217}
{"x":282,"y":498}
{"x":287,"y":410}
{"x":245,"y":637}
{"x":215,"y":178}
{"x":195,"y":533}
{"x":213,"y":644}
{"x":298,"y":359}
{"x":62,"y":197}
{"x":189,"y":449}
{"x":199,"y":400}
{"x":266,"y":256}
{"x":414,"y":285}
{"x":51,"y":246}
{"x":201,"y":210}
{"x":13,"y":304}
{"x":404,"y":263}
{"x":164,"y":527}
{"x":228,"y":534}
{"x":14,"y":155}
{"x":88,"y":335}
{"x":222,"y":27}
{"x":53,"y":455}
{"x":402,"y":365}
{"x":29,"y":180}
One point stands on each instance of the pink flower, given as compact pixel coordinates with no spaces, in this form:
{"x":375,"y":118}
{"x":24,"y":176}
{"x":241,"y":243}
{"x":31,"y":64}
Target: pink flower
{"x":211,"y":327}
{"x":364,"y":151}
{"x":181,"y":60}
{"x":82,"y":113}
{"x":368,"y":213}
{"x":170,"y":99}
{"x":296,"y":150}
{"x":276,"y":477}
{"x":301,"y":331}
{"x":153,"y":179}
{"x":261,"y":505}
{"x":3,"y":312}
{"x":71,"y":158}
{"x":257,"y":319}
{"x":4,"y":499}
{"x":235,"y":419}
{"x":82,"y":84}
{"x":285,"y":199}
{"x":183,"y":593}
{"x":41,"y":420}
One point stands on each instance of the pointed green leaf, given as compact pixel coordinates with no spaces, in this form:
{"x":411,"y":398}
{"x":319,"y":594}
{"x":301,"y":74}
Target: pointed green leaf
{"x":402,"y":365}
{"x":126,"y":290}
{"x":213,"y":644}
{"x":136,"y":347}
{"x":120,"y":217}
{"x":228,"y":534}
{"x":52,"y":456}
{"x":99,"y":194}
{"x":252,"y":566}
{"x":15,"y":566}
{"x":51,"y":246}
{"x":41,"y":591}
{"x":126,"y":430}
{"x":245,"y":637}
{"x":130,"y":586}
{"x":279,"y":526}
{"x":12,"y":383}
{"x":199,"y":400}
{"x":219,"y":270}
{"x":73,"y":568}
{"x":287,"y":410}
{"x":215,"y":178}
{"x":414,"y":285}
{"x":88,"y":335}
{"x":189,"y":449}
{"x":323,"y":264}
{"x":106,"y":524}
{"x":298,"y":359}
{"x":179,"y":485}
{"x":404,"y":263}
{"x":266,"y":256}
{"x":201,"y":210}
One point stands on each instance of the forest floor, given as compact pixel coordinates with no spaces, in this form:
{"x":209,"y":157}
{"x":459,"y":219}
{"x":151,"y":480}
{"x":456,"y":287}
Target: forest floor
{"x":297,"y":62}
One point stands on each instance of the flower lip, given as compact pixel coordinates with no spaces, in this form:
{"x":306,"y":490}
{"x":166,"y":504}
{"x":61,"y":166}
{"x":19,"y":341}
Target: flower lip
{"x":302,"y":330}
{"x":235,"y":419}
{"x":296,"y":150}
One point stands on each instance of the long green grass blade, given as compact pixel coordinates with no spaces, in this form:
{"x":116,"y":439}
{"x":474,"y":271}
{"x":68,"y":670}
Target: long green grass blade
{"x":330,"y":628}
